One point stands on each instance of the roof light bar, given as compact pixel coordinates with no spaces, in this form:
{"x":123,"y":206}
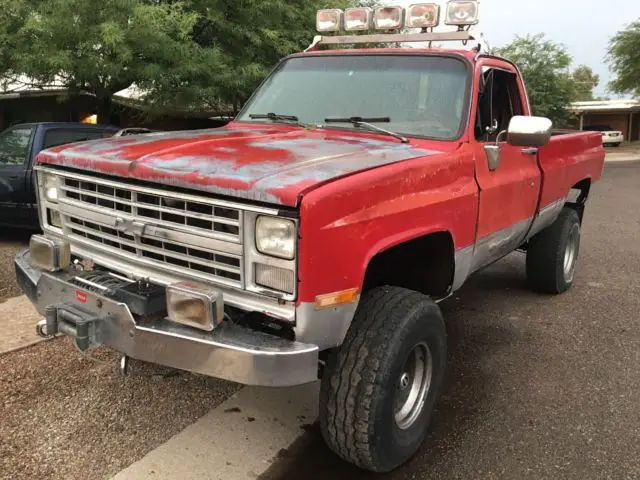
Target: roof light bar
{"x":423,"y":15}
{"x":462,"y":12}
{"x":330,"y":20}
{"x":388,"y":18}
{"x":358,"y":19}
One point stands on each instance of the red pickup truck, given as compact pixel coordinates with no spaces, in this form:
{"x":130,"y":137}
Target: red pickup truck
{"x":313,"y":237}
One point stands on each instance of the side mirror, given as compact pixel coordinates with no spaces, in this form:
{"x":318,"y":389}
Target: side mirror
{"x":529,"y":131}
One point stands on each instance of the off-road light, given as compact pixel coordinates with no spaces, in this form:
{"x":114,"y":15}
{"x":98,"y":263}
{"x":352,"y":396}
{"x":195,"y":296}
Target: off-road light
{"x":49,"y":254}
{"x":274,"y":278}
{"x":462,"y":12}
{"x":194,"y":305}
{"x":330,"y":20}
{"x":423,"y":15}
{"x":358,"y":19}
{"x":388,"y":18}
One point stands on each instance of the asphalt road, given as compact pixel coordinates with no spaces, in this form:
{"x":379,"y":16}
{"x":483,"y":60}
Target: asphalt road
{"x":538,"y":386}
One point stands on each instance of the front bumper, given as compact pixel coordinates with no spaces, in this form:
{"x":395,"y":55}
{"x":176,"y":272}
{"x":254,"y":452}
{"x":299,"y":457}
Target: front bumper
{"x":230,"y":352}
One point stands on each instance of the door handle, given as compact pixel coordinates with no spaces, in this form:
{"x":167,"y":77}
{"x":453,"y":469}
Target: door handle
{"x":530,"y":151}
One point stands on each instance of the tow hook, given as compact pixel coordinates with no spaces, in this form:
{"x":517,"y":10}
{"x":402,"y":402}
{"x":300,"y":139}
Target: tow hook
{"x":41,"y":329}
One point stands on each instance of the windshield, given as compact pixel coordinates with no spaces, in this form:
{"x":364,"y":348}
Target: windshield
{"x":423,"y":96}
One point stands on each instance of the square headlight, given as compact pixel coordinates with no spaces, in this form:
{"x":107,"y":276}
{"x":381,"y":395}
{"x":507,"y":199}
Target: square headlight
{"x":276,"y":237}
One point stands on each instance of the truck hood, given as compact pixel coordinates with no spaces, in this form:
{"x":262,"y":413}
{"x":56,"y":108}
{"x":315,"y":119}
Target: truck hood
{"x":260,"y":163}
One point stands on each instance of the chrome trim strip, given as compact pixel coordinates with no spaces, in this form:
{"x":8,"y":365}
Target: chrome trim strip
{"x":546,"y":216}
{"x":464,"y":263}
{"x":326,"y":328}
{"x":153,"y":191}
{"x":499,"y":244}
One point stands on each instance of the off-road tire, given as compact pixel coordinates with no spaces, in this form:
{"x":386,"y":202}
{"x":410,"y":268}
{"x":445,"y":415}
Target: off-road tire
{"x":547,"y":251}
{"x":357,"y":416}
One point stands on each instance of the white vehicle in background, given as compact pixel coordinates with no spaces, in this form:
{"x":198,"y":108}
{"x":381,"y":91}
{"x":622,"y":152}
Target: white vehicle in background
{"x":610,"y":137}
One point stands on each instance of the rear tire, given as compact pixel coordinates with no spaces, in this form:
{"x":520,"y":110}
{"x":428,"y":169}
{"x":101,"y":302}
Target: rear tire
{"x":552,"y":254}
{"x":380,"y":387}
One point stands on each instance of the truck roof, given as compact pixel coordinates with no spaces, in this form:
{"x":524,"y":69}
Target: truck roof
{"x":49,"y":125}
{"x":469,"y":54}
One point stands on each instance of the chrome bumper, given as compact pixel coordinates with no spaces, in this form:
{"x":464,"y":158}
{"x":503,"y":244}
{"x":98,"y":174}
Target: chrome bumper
{"x":230,"y":352}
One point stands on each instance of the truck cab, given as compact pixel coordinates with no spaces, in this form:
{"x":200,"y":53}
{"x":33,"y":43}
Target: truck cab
{"x":314,"y":236}
{"x":19,"y":146}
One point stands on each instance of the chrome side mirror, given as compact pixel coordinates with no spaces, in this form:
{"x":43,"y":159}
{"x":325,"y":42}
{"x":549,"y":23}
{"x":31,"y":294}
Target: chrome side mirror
{"x":529,"y":131}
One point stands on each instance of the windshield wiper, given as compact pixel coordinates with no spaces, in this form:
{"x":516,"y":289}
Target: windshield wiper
{"x":276,"y":117}
{"x":361,"y":122}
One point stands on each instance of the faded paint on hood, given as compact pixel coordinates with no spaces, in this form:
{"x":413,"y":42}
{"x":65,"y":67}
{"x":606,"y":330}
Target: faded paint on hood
{"x":260,"y":163}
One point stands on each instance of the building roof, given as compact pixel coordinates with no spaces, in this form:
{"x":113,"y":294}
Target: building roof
{"x":614,"y":106}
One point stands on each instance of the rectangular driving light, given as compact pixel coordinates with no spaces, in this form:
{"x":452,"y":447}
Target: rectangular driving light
{"x":194,"y":305}
{"x":423,"y":15}
{"x":462,"y":13}
{"x":49,"y":254}
{"x":330,"y":20}
{"x":388,"y":18}
{"x":358,"y":19}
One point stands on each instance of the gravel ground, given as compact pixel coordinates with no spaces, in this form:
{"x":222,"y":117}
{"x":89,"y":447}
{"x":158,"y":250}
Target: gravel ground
{"x":63,"y":416}
{"x":11,"y":243}
{"x":539,"y":387}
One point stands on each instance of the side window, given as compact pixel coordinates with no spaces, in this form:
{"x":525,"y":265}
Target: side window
{"x":498,"y":102}
{"x":61,"y":136}
{"x":14,"y":145}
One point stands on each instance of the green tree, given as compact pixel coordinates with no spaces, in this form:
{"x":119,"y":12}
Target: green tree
{"x":585,"y":81}
{"x":545,"y":67}
{"x":624,"y":60}
{"x":104,"y":47}
{"x":184,"y":53}
{"x":252,"y":36}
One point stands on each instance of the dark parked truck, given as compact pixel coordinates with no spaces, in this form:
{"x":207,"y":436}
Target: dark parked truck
{"x":314,"y":235}
{"x":19,"y":146}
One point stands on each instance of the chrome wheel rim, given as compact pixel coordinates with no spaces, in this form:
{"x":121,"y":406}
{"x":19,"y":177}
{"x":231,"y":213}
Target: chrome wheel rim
{"x":413,"y":385}
{"x":571,"y":254}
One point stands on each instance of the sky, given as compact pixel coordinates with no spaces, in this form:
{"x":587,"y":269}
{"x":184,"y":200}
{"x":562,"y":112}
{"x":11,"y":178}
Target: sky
{"x":583,"y":26}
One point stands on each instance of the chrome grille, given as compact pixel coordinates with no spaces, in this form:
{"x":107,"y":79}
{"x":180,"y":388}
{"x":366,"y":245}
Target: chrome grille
{"x":163,"y":210}
{"x":198,"y":239}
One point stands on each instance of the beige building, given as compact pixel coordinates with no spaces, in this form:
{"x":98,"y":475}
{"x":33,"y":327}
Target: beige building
{"x":622,"y":115}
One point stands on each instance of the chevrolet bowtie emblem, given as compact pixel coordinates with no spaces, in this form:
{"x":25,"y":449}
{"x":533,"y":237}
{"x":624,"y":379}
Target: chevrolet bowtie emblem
{"x":130,"y":227}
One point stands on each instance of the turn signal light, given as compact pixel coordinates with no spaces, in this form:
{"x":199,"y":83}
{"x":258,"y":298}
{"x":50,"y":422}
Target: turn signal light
{"x":337,"y":298}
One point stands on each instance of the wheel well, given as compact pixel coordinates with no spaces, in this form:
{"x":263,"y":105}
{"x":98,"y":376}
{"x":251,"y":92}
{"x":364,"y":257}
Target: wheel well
{"x":578,"y":196}
{"x":425,"y":264}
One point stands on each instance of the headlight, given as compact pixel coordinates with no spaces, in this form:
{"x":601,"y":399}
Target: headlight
{"x":276,"y":237}
{"x":50,"y":184}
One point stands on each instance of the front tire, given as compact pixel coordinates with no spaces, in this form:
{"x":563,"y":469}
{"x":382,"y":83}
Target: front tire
{"x":380,"y":387}
{"x":552,"y":254}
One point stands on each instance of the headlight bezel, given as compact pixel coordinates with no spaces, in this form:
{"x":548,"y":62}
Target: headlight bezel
{"x":288,"y":224}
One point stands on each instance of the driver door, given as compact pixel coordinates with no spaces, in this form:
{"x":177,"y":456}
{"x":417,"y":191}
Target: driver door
{"x":509,"y":192}
{"x":15,"y":172}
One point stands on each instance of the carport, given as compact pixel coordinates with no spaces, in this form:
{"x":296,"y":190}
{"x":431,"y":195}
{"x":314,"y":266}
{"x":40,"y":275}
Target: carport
{"x":622,"y":115}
